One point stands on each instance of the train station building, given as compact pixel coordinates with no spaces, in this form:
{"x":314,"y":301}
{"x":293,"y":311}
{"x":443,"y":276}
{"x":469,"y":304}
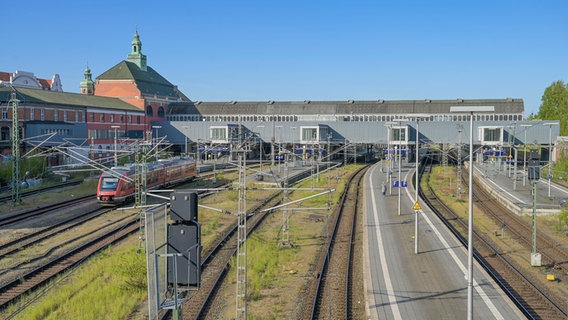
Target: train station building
{"x":132,"y":101}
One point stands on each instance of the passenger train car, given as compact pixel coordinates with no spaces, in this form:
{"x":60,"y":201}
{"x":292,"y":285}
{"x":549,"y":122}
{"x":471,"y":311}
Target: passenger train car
{"x":117,"y":186}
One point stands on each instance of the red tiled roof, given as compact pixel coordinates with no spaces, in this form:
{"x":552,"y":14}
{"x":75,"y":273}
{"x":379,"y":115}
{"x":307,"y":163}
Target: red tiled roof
{"x":5,"y":76}
{"x":46,"y":84}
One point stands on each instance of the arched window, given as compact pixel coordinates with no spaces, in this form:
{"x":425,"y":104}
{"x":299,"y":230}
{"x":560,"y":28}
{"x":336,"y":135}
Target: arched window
{"x":149,"y":111}
{"x":161,"y":112}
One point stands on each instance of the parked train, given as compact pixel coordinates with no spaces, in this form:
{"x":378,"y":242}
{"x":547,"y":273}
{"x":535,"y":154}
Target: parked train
{"x":117,"y":186}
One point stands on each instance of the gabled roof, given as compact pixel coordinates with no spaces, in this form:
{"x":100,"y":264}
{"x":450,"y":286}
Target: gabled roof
{"x":148,"y":82}
{"x":26,"y":95}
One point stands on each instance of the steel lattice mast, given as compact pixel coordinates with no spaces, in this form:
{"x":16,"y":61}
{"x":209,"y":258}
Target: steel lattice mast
{"x":15,"y":151}
{"x":140,"y":188}
{"x":241,"y":296}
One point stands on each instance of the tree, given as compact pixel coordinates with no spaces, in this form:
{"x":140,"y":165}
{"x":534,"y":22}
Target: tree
{"x":554,"y":105}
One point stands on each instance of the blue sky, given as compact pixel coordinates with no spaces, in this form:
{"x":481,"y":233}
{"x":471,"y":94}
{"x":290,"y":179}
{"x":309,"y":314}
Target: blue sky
{"x":302,"y":50}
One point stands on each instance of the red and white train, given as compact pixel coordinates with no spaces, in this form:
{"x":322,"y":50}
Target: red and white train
{"x":118,"y":186}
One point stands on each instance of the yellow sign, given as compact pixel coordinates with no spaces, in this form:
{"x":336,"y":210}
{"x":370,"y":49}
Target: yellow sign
{"x":416,"y":206}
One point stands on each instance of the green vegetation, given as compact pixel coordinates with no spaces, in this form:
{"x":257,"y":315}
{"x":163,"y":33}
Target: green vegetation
{"x":563,"y":221}
{"x":110,"y":286}
{"x":554,"y":105}
{"x":29,"y":168}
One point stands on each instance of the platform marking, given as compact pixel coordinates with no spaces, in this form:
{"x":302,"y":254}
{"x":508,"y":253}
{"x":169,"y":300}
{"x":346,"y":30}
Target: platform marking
{"x":384,"y":266}
{"x":460,"y":265}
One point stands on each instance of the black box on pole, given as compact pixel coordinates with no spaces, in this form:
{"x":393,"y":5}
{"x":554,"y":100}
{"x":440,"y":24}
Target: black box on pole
{"x":183,"y":206}
{"x":183,"y":239}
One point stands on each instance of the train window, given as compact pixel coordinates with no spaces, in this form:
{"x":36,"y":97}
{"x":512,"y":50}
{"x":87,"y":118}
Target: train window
{"x":109,"y":183}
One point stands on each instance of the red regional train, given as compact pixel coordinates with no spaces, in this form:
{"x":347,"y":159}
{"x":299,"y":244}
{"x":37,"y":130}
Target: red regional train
{"x":118,"y":186}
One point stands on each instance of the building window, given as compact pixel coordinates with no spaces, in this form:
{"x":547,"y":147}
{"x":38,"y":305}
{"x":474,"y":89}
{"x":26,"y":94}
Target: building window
{"x":32,"y":114}
{"x":138,"y":120}
{"x":219,"y":134}
{"x":309,"y":134}
{"x":55,"y":115}
{"x":42,"y":115}
{"x":4,"y":113}
{"x":399,"y":134}
{"x":77,"y":116}
{"x":102,"y":118}
{"x":149,"y":111}
{"x":65,"y":115}
{"x":92,"y":117}
{"x":491,"y":135}
{"x":161,"y":112}
{"x":112,"y":118}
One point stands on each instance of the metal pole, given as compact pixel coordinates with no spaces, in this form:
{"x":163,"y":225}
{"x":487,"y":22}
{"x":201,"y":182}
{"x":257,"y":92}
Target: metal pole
{"x":399,"y":165}
{"x":470,"y":226}
{"x":416,"y":187}
{"x":534,"y":218}
{"x":515,"y":171}
{"x":115,"y":146}
{"x":549,"y":157}
{"x":525,"y":160}
{"x":15,"y":151}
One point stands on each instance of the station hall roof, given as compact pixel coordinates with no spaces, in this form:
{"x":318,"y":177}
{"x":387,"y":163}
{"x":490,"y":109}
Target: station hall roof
{"x":148,"y":82}
{"x":509,"y":105}
{"x":26,"y":95}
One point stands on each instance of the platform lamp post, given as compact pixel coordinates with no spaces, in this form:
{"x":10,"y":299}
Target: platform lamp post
{"x":549,"y":175}
{"x":526,"y":126}
{"x":388,"y":125}
{"x":471,"y":110}
{"x":115,"y":145}
{"x":399,"y":157}
{"x":416,"y":185}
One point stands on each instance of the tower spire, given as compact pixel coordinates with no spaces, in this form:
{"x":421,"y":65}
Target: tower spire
{"x":87,"y":85}
{"x":136,"y":55}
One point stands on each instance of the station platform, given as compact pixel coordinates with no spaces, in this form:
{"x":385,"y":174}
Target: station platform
{"x":514,"y":190}
{"x":430,"y":284}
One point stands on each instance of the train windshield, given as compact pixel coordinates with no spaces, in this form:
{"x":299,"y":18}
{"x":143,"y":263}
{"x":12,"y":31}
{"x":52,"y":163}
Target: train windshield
{"x":109,"y":183}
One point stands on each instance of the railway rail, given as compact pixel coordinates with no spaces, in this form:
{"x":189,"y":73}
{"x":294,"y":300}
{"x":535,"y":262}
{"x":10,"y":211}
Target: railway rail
{"x":42,"y":275}
{"x":215,"y":264}
{"x":531,"y":299}
{"x":24,"y":194}
{"x":331,"y":292}
{"x":14,"y":217}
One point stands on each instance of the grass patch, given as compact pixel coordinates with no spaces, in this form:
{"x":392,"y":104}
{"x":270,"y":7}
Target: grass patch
{"x":110,"y":286}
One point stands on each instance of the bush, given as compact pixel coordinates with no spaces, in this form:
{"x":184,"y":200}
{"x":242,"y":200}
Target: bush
{"x":132,"y":268}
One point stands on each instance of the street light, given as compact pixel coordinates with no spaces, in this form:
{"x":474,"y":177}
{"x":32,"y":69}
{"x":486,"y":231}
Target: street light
{"x":526,"y":126}
{"x":416,"y":186}
{"x":549,"y":176}
{"x":399,"y":156}
{"x":389,"y":127}
{"x":115,"y":146}
{"x":471,"y":110}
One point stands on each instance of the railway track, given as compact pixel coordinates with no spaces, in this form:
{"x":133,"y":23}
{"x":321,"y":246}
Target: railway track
{"x":331,"y":292}
{"x":42,"y":275}
{"x":40,"y":190}
{"x":14,"y":217}
{"x":21,"y":242}
{"x":216,"y":264}
{"x":531,"y":298}
{"x":554,"y":254}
